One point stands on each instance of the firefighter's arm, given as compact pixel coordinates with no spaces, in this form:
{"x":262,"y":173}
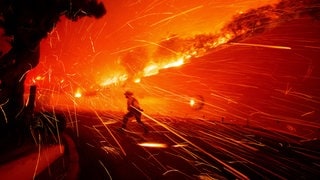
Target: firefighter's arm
{"x":136,"y":105}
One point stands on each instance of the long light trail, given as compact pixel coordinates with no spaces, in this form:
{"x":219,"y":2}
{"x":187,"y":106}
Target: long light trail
{"x":231,"y":169}
{"x":261,"y":45}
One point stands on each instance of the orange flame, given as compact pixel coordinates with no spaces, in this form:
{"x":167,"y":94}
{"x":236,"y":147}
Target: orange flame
{"x":153,"y":68}
{"x":115,"y":79}
{"x":176,"y":63}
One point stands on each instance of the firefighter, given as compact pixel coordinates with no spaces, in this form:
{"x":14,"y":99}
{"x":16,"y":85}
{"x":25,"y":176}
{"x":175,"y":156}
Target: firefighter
{"x":134,"y":110}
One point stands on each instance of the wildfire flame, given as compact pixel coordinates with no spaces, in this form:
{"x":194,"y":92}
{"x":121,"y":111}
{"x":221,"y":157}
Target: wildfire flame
{"x":174,"y":51}
{"x":115,"y":79}
{"x":153,"y":68}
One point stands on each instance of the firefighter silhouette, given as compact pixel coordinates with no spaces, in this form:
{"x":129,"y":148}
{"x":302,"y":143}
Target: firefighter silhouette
{"x":134,"y":110}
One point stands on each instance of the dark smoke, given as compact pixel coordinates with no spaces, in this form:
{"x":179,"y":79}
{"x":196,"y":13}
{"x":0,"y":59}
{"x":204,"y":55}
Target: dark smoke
{"x":135,"y":60}
{"x":175,"y":46}
{"x":250,"y":23}
{"x":258,"y":20}
{"x":25,"y":23}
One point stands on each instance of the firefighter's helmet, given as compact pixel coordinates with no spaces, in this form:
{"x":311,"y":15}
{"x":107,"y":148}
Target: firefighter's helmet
{"x":128,"y":93}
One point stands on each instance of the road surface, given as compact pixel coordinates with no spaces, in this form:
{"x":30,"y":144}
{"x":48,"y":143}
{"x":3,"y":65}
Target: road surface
{"x":177,"y":148}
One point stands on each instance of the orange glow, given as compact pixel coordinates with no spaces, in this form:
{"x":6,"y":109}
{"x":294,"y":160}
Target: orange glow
{"x":39,"y":78}
{"x":150,"y":70}
{"x":154,"y":68}
{"x":176,"y":63}
{"x":224,"y":38}
{"x":78,"y":93}
{"x":180,"y":145}
{"x":114,"y":80}
{"x":135,"y":45}
{"x":192,"y":102}
{"x":153,"y":145}
{"x":103,"y":43}
{"x":137,"y":80}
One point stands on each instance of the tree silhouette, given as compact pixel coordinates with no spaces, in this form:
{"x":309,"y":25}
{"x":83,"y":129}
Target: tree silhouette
{"x":25,"y":23}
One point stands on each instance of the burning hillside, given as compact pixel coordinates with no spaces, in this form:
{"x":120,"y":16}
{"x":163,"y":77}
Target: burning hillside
{"x":258,"y":67}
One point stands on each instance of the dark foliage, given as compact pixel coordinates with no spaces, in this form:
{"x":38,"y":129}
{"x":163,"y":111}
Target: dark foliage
{"x":25,"y":23}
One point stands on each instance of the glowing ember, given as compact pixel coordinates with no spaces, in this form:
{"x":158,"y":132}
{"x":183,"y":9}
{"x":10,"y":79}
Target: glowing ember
{"x":180,"y":145}
{"x":39,"y":78}
{"x":137,"y":80}
{"x":78,"y":93}
{"x":192,"y":102}
{"x":153,"y":145}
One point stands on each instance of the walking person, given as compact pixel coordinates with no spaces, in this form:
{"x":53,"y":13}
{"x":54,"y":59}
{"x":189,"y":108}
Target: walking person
{"x":134,"y":110}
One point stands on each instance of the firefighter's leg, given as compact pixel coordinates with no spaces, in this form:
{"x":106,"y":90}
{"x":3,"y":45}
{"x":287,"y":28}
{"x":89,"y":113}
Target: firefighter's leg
{"x":125,"y":119}
{"x":138,"y":118}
